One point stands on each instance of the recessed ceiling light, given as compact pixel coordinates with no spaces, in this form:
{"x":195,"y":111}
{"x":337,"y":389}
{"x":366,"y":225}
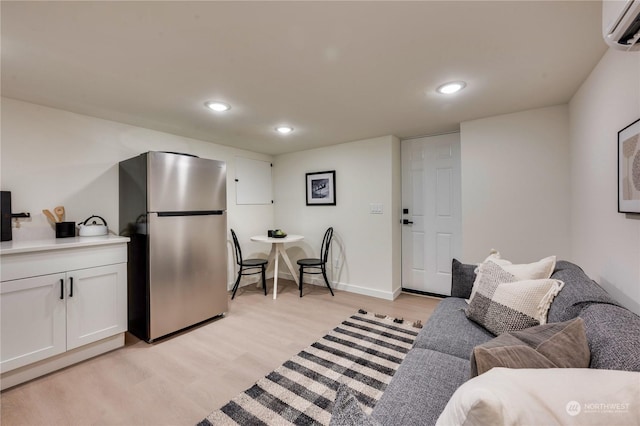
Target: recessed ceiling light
{"x":451,"y":87}
{"x":284,"y":129}
{"x":217,"y":106}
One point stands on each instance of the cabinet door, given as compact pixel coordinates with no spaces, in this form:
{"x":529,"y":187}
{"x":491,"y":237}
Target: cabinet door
{"x":96,"y":304}
{"x":33,"y":320}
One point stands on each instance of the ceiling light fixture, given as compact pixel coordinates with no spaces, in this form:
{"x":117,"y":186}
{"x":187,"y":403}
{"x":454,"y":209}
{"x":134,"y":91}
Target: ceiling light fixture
{"x":217,"y":106}
{"x":451,"y":87}
{"x":284,"y":129}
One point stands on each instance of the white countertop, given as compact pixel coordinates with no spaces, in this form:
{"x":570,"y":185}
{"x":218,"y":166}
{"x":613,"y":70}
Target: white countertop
{"x":13,"y":247}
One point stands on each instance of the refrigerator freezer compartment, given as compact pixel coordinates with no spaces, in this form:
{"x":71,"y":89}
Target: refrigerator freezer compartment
{"x":181,"y":183}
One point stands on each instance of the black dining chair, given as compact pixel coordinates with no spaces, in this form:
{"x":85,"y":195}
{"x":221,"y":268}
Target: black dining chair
{"x":318,"y":266}
{"x":248,"y":265}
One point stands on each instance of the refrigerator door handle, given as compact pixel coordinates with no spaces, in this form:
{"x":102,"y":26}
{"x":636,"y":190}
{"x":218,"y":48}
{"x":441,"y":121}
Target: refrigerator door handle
{"x":191,"y":213}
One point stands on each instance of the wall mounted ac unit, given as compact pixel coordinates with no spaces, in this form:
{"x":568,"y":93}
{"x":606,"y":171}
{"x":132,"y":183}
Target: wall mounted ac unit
{"x":621,"y":23}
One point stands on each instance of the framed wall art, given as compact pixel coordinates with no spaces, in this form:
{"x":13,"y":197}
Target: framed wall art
{"x":629,"y":168}
{"x":321,"y":188}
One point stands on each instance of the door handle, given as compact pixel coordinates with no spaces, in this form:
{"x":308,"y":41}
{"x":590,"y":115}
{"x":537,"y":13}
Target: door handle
{"x":407,"y":222}
{"x":70,"y":286}
{"x":61,"y":289}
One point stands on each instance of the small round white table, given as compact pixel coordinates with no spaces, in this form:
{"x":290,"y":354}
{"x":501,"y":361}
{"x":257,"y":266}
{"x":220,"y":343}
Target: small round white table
{"x":277,"y":250}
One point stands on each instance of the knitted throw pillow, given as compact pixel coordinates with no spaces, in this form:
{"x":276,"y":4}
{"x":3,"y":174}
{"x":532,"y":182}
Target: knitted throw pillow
{"x":502,"y":303}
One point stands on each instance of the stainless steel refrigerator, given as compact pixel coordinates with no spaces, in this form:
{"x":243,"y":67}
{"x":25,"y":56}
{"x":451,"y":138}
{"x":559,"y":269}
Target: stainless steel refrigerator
{"x":173,"y":207}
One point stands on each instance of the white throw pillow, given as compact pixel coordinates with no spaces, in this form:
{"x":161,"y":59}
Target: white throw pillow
{"x":495,"y":256}
{"x":548,"y":396}
{"x":541,"y":269}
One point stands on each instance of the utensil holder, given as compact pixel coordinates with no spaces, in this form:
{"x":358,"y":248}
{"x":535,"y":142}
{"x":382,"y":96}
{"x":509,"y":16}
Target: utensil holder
{"x":65,"y":229}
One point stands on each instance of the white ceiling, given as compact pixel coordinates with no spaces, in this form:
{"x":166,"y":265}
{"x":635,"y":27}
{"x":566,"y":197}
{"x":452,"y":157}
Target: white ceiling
{"x":335,"y":71}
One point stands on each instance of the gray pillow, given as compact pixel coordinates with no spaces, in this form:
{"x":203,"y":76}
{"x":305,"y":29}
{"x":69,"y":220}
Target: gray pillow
{"x":556,"y":345}
{"x":462,"y":278}
{"x":347,"y":410}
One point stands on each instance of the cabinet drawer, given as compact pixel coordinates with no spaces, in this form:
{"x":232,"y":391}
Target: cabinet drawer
{"x":21,"y":265}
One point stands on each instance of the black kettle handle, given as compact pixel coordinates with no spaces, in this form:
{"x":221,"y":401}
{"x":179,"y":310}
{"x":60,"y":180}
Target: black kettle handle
{"x":87,"y":221}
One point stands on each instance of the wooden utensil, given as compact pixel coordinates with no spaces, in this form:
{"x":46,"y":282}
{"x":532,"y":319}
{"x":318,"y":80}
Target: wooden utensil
{"x":59,"y":211}
{"x":49,"y":215}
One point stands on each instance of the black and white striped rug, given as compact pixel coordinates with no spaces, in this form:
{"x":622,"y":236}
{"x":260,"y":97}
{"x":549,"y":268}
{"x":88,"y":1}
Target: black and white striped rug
{"x":362,"y":352}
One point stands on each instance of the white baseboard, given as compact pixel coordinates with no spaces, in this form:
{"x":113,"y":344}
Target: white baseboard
{"x":65,"y":359}
{"x":397,"y":292}
{"x":351,"y":288}
{"x":366,"y":291}
{"x":319,"y":281}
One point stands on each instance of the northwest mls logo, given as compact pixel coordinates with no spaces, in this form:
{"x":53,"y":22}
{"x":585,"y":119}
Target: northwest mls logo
{"x":573,"y":408}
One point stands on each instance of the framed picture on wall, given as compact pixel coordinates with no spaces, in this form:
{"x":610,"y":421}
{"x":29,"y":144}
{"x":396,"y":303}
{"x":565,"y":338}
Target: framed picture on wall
{"x":629,"y":168}
{"x":321,"y":188}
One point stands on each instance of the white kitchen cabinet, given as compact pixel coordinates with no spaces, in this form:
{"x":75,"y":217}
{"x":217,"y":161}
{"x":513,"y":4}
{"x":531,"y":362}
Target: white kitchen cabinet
{"x":33,"y":320}
{"x":96,"y":304}
{"x":60,"y":303}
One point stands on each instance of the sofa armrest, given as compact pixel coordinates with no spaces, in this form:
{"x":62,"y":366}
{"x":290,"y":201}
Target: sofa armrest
{"x":462,"y":278}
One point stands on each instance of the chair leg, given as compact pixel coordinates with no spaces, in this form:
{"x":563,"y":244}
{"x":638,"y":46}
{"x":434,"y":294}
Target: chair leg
{"x":264,"y":280}
{"x":235,"y":286}
{"x":326,"y":280}
{"x":301,"y":272}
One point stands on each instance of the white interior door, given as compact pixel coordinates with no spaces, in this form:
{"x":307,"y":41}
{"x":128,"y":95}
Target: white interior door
{"x":431,"y":201}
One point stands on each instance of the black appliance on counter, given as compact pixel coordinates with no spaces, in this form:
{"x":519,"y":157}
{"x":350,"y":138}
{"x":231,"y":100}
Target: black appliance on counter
{"x":5,"y":208}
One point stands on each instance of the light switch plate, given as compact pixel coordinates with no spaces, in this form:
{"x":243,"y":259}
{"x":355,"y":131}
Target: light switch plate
{"x":375,"y":208}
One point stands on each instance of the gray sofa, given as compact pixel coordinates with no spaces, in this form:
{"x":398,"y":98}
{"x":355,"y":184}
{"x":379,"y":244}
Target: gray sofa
{"x":439,"y":361}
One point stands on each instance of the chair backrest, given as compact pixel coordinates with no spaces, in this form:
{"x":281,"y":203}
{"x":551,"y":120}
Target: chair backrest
{"x":326,"y":242}
{"x":237,"y":247}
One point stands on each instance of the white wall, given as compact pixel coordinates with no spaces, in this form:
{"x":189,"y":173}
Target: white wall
{"x":367,"y":246}
{"x":605,"y":243}
{"x":52,"y":157}
{"x":396,"y":216}
{"x":515,"y":185}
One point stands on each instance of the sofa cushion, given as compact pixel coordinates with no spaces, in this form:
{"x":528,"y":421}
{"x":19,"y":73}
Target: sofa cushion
{"x":462,"y":278}
{"x":567,"y":396}
{"x":556,"y":345}
{"x":347,"y":411}
{"x":448,"y":330}
{"x":579,"y":291}
{"x":614,"y":337}
{"x":420,"y":389}
{"x":503,"y":303}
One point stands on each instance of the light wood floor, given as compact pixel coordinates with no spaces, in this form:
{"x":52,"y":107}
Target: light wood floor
{"x":180,"y":380}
